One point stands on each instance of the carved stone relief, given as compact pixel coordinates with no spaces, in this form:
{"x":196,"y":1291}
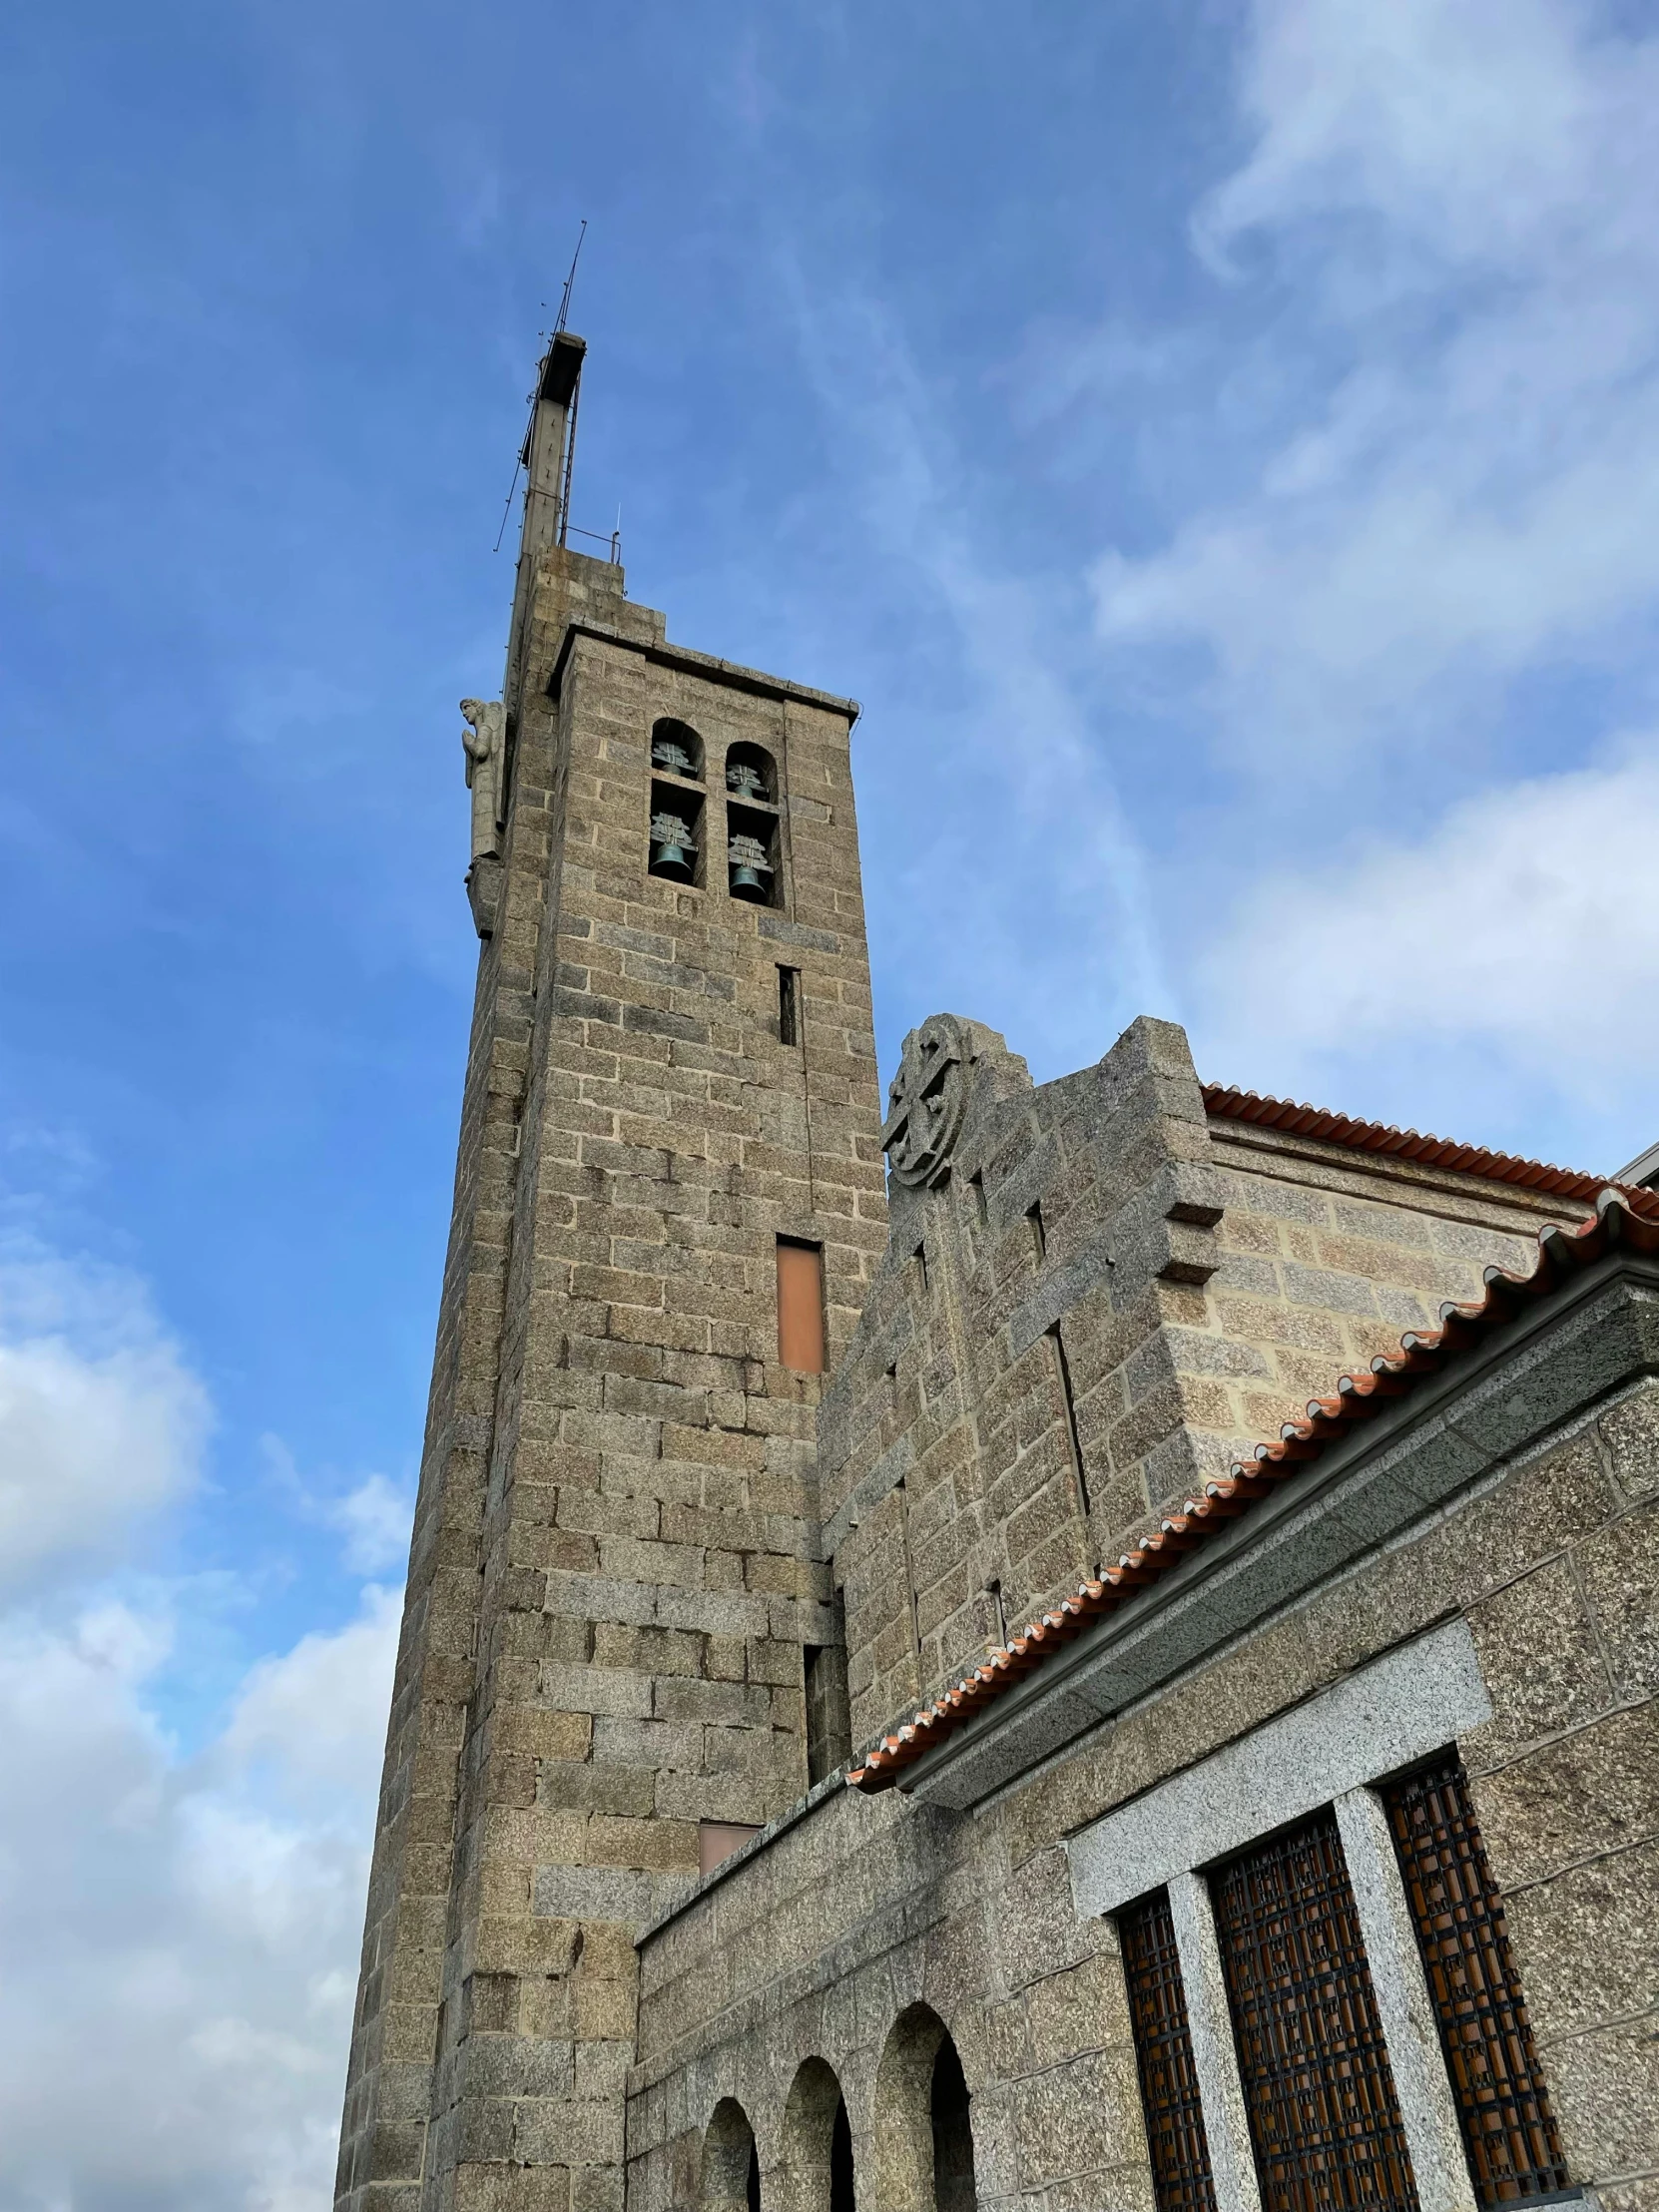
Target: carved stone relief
{"x":926,"y":1101}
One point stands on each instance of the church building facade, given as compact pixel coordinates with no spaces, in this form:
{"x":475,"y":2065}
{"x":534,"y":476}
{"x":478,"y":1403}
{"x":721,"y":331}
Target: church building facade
{"x":1109,"y":1662}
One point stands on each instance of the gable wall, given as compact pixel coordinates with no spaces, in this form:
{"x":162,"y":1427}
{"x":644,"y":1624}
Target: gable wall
{"x":1206,"y":1279}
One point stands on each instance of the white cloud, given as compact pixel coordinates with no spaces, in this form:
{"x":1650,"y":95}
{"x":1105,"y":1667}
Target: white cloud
{"x":375,"y":1520}
{"x":374,"y":1516}
{"x":1451,"y":199}
{"x":1471,"y":125}
{"x":180,"y":1935}
{"x":311,"y":1711}
{"x":1514,"y":950}
{"x":181,"y":1941}
{"x":101,"y":1420}
{"x":1021,"y":839}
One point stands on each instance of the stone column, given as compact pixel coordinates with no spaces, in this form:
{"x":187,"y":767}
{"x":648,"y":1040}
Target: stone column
{"x":1210,"y":2025}
{"x":1404,"y":2007}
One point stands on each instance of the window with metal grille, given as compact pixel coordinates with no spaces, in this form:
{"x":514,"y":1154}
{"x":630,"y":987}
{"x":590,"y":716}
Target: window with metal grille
{"x":1324,"y":2118}
{"x":1513,"y":2146}
{"x":1164,"y":2056}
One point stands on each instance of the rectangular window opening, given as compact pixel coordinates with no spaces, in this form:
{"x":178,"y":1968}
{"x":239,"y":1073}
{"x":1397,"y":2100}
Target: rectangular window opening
{"x":801,"y":1344}
{"x":717,"y":1839}
{"x":753,"y":869}
{"x":1062,"y":1376}
{"x":1325,"y":2121}
{"x":921,"y":1264}
{"x":1510,"y":2131}
{"x":981,"y":1213}
{"x":675,"y":847}
{"x":789,"y":1005}
{"x":1179,"y":2148}
{"x":1040,"y":1239}
{"x":829,"y":1708}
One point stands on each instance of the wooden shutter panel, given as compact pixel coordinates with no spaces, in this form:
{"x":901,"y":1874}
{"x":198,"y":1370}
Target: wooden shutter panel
{"x":801,"y":1307}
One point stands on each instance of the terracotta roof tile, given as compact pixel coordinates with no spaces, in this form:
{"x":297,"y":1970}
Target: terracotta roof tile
{"x":1228,"y":1104}
{"x":1354,"y":1399}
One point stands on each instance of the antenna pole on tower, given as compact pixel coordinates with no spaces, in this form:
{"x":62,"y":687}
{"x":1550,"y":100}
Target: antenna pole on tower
{"x":564,"y":304}
{"x":559,"y":326}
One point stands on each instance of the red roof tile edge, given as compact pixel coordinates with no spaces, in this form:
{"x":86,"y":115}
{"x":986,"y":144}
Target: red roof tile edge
{"x":1356,"y":1399}
{"x":1226,"y":1103}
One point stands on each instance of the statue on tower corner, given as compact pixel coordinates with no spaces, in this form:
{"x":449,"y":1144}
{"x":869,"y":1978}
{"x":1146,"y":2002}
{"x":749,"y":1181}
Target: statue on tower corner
{"x":486,"y":741}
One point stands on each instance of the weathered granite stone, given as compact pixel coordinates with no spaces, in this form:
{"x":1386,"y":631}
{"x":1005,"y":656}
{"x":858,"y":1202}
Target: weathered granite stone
{"x":1587,"y":1792}
{"x":1630,"y":1432}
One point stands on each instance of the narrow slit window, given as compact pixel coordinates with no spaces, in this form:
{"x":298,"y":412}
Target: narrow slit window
{"x":1175,"y":2138}
{"x":1074,"y":1444}
{"x":1000,"y":1617}
{"x":828,"y":1709}
{"x":1039,"y":1236}
{"x":1510,"y":2131}
{"x":921,"y":1264}
{"x":914,"y":1609}
{"x":789,"y":1005}
{"x":800,"y":1305}
{"x":981,"y":1214}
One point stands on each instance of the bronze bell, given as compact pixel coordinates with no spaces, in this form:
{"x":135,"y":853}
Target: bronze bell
{"x":745,"y":780}
{"x":672,"y":849}
{"x":750,"y":870}
{"x":667,"y":752}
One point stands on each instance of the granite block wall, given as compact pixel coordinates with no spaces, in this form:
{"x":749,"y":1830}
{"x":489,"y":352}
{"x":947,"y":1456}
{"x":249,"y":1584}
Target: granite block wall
{"x":1104,"y":1299}
{"x":827,"y":1941}
{"x":636,"y":1561}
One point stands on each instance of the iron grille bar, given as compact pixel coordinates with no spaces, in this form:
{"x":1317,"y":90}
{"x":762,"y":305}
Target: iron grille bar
{"x":1175,"y":2136}
{"x":1324,"y":2118}
{"x":1514,"y":2148}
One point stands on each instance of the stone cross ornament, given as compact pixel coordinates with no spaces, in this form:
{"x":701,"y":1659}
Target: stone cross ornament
{"x":926,"y":1101}
{"x":485,"y":742}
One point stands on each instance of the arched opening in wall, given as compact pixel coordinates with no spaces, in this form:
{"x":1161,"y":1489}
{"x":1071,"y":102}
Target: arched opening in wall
{"x":953,"y":2134}
{"x":676,"y":749}
{"x":923,"y":2124}
{"x":817,"y":2143}
{"x":753,"y":860}
{"x":730,"y":2180}
{"x":675,"y":848}
{"x":840,"y":2161}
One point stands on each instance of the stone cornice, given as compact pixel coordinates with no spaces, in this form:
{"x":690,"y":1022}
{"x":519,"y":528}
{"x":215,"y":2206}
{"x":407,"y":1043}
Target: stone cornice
{"x":713,"y":671}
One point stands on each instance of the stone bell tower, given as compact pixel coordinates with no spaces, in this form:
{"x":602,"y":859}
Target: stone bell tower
{"x":620,"y":1649}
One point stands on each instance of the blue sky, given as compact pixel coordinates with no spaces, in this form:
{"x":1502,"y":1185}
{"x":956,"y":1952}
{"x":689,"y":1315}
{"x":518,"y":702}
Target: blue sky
{"x":1218,"y":443}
